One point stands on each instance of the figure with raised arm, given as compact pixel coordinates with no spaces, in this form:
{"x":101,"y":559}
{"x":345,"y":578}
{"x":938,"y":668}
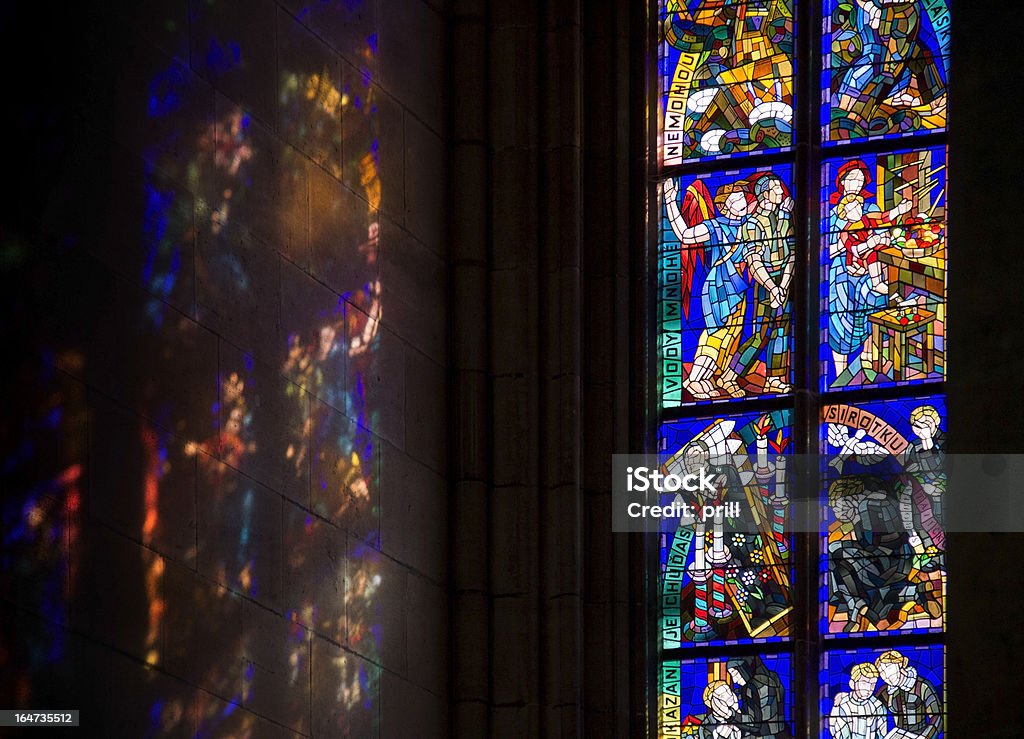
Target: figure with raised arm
{"x":724,"y":292}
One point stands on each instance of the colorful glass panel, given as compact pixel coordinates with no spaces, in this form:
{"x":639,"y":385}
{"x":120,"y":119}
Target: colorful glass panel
{"x":886,"y":68}
{"x":883,"y":567}
{"x":727,"y":697}
{"x":878,"y":693}
{"x":726,"y":261}
{"x":730,"y":581}
{"x":726,"y":72}
{"x":883,"y":269}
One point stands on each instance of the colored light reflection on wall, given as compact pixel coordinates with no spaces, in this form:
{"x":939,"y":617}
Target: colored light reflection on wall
{"x":40,"y":515}
{"x":321,"y":365}
{"x":222,"y":192}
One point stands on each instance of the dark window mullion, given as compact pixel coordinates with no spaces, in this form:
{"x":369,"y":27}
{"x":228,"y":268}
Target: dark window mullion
{"x":806,"y":176}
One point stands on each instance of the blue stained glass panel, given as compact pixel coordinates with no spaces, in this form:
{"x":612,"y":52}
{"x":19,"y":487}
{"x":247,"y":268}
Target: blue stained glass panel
{"x":745,"y":595}
{"x":749,"y":695}
{"x":726,"y":78}
{"x":883,"y":540}
{"x":890,"y":692}
{"x":886,"y":68}
{"x":883,"y":269}
{"x":726,"y":260}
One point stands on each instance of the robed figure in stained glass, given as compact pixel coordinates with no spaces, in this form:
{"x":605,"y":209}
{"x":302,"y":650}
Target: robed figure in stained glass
{"x":887,"y":74}
{"x":858,"y":714}
{"x":762,"y":698}
{"x":856,"y":279}
{"x":869,"y":571}
{"x":724,"y":292}
{"x":722,"y":721}
{"x":925,"y":480}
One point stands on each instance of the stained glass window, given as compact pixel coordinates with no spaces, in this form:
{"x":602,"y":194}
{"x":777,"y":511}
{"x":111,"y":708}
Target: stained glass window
{"x":886,"y":67}
{"x":794,"y":189}
{"x":883,"y":543}
{"x":883,"y":263}
{"x":883,"y":692}
{"x":751,"y":694}
{"x":731,"y":580}
{"x":726,"y":77}
{"x":726,"y":264}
